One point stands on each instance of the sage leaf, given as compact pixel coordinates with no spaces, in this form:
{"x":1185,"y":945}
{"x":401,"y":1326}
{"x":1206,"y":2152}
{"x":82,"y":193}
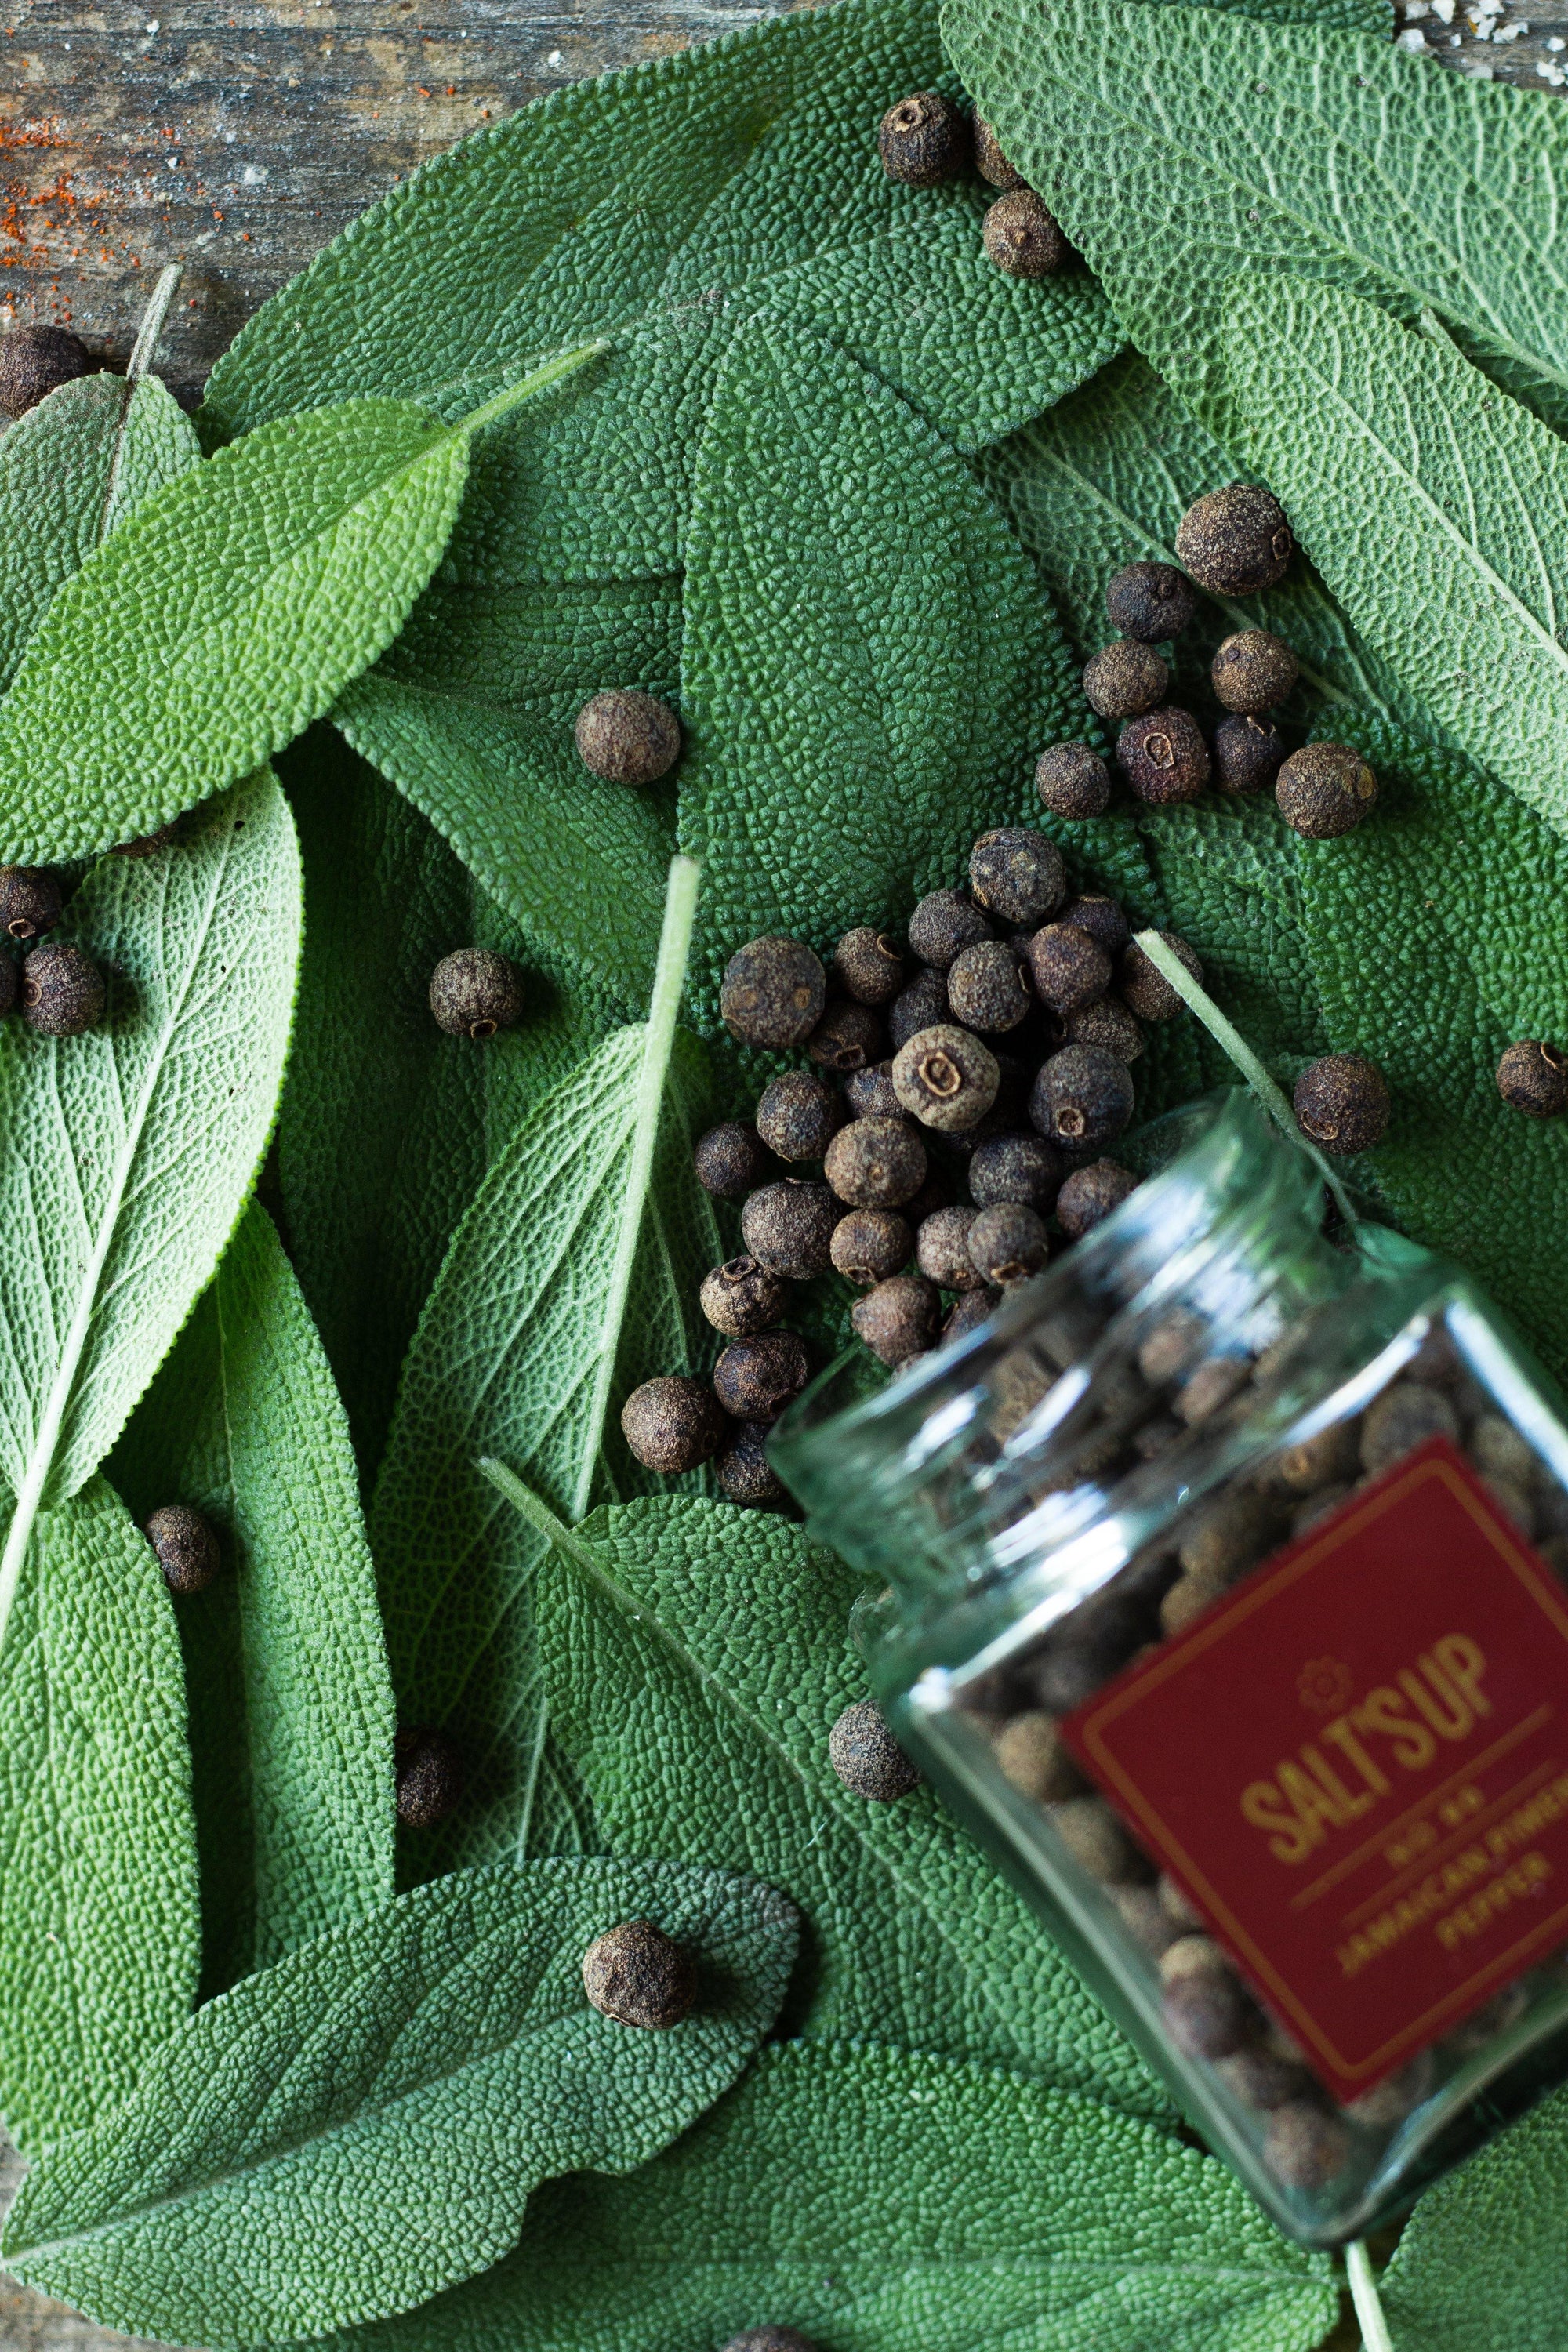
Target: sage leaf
{"x":291,"y":1718}
{"x":1482,"y":2260}
{"x":349,"y":2132}
{"x":71,"y":469}
{"x":1331,"y":156}
{"x":1459,"y":591}
{"x":125,"y":1154}
{"x":470,"y":715}
{"x":883,"y":2200}
{"x":572,"y":1277}
{"x":225,"y":614}
{"x":662,"y":208}
{"x":100,"y":1937}
{"x":697,"y":1656}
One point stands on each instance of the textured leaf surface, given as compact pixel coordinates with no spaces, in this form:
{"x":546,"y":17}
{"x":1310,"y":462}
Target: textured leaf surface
{"x":882,"y":2201}
{"x":573,"y":1277}
{"x":69,"y":470}
{"x":228,"y":611}
{"x":1181,"y":145}
{"x":470,"y":715}
{"x":663,"y":206}
{"x":125,"y":1154}
{"x":100,"y":1937}
{"x":361,"y":2125}
{"x":1435,"y":506}
{"x":387,"y":1126}
{"x":1483,"y":2264}
{"x":290,"y":1700}
{"x":697,"y":1656}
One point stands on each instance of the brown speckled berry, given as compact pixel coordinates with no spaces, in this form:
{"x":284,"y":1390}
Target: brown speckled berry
{"x":637,"y":1975}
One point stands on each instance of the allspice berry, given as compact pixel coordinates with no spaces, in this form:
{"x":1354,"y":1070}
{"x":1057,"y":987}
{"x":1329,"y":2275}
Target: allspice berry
{"x":1018,"y":875}
{"x":946,"y":1079}
{"x":1235,"y":540}
{"x":943,"y":924}
{"x":1247,"y":754}
{"x":1022,"y":237}
{"x":921,"y":1005}
{"x":875,"y":1163}
{"x":730,"y":1161}
{"x":1090,"y":1194}
{"x":1082,"y":1097}
{"x":743,"y":1473}
{"x":475,"y":992}
{"x":898,"y":1319}
{"x":35,"y":361}
{"x":773,"y":993}
{"x":942,"y":1249}
{"x":1073,"y":780}
{"x":1305,"y":2146}
{"x":186,"y":1547}
{"x":924,"y":140}
{"x":788,"y":1227}
{"x":988,"y":987}
{"x":639,"y":1976}
{"x":1533,"y":1077}
{"x":848,"y":1036}
{"x":672,"y":1424}
{"x":1101,"y":917}
{"x":1324,"y":790}
{"x":1163,"y":757}
{"x":799,"y":1114}
{"x":868,"y":966}
{"x":1341,"y":1101}
{"x":1107,"y":1022}
{"x":1007,"y":1242}
{"x":869,"y":1093}
{"x":741,"y":1298}
{"x":63,"y":993}
{"x":627,"y":737}
{"x":1145,"y":990}
{"x":1021,"y":1168}
{"x":147,"y":845}
{"x":1253,"y":670}
{"x":1151,"y":601}
{"x":755,"y":1378}
{"x":969,"y":1310}
{"x":1124,"y":679}
{"x":870,"y":1245}
{"x":428,"y":1776}
{"x":30,"y":899}
{"x":990,"y":161}
{"x":866,"y":1758}
{"x":1068,"y":968}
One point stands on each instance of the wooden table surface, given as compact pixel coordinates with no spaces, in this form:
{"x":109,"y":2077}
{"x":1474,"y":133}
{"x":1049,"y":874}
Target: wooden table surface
{"x":238,"y":136}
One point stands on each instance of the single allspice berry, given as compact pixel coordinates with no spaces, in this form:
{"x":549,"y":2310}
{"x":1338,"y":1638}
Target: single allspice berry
{"x":63,"y":993}
{"x":921,"y":1005}
{"x":988,"y":987}
{"x":1144,"y":988}
{"x":35,"y":361}
{"x":755,"y":1378}
{"x":1021,"y":237}
{"x":870,"y":1245}
{"x":1533,"y":1077}
{"x":1235,"y":540}
{"x":1007,"y":1242}
{"x":866,"y":1758}
{"x":773,"y":993}
{"x":1069,"y":968}
{"x":1021,"y":1168}
{"x":1106,"y":1023}
{"x":639,"y":1976}
{"x":1090,"y":1194}
{"x":731,"y":1161}
{"x":924,"y":140}
{"x":1324,"y":790}
{"x":990,"y":161}
{"x":673,"y":1423}
{"x":742,"y":1298}
{"x":944,"y":923}
{"x":743,"y":1473}
{"x":30,"y":901}
{"x":799,"y":1114}
{"x":869,"y":1093}
{"x":1082,"y":1097}
{"x":942,"y":1249}
{"x":875,"y":1163}
{"x":946,"y":1079}
{"x":1341,"y":1102}
{"x":1253,"y":670}
{"x":474,"y":992}
{"x":627,"y":737}
{"x":1073,"y":780}
{"x":788,"y":1227}
{"x":186,"y":1547}
{"x":1163,"y":757}
{"x":1101,"y":917}
{"x":1124,"y":679}
{"x":1248,"y":753}
{"x":428,"y":1776}
{"x":1018,"y":875}
{"x":969,"y":1310}
{"x":898,"y":1319}
{"x":1151,"y":601}
{"x":869,"y":965}
{"x":847,"y":1036}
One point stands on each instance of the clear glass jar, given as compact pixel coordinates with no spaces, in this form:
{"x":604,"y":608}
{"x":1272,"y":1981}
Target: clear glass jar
{"x":1224,"y":1600}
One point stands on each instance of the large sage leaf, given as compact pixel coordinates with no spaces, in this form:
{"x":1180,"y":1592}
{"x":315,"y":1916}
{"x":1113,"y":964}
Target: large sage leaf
{"x":361,"y":2125}
{"x":125,"y":1154}
{"x":99,"y":1936}
{"x":572,"y":1277}
{"x":290,"y":1700}
{"x":1181,"y":145}
{"x":697,"y":1656}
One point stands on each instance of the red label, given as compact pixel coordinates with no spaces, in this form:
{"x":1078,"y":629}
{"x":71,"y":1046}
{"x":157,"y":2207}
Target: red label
{"x":1356,"y":1765}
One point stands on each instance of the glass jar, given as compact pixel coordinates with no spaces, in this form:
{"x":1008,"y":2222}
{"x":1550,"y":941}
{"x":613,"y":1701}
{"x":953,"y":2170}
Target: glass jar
{"x":1224,"y":1599}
